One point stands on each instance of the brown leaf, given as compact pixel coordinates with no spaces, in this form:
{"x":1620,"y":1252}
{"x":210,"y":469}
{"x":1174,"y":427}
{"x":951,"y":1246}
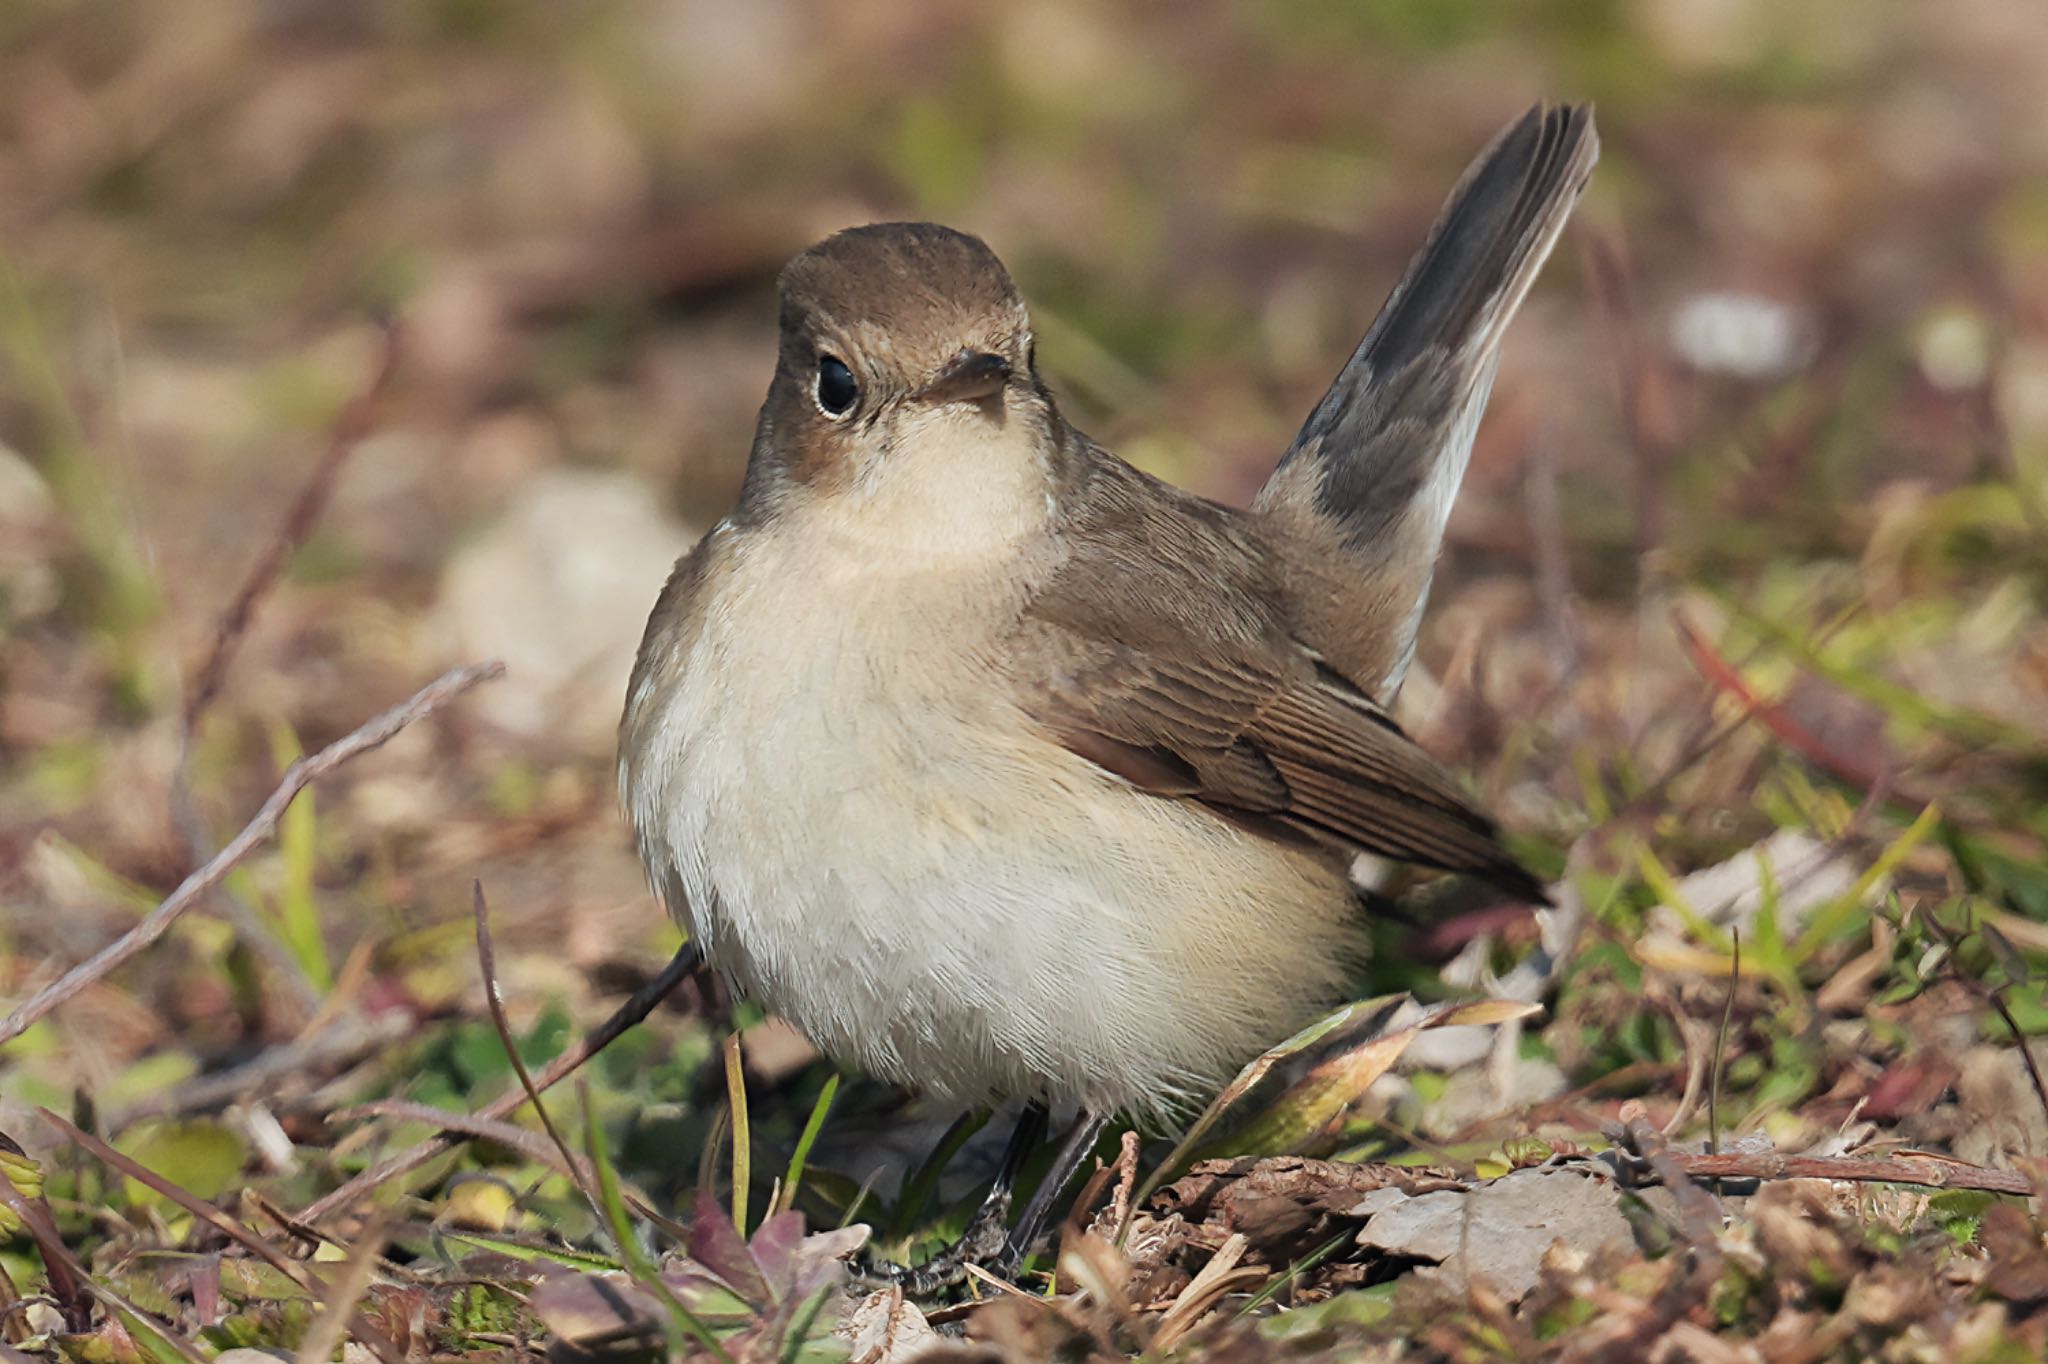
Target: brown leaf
{"x":1500,"y":1231}
{"x":887,"y":1328}
{"x":1284,"y":1206}
{"x":2019,"y":1264}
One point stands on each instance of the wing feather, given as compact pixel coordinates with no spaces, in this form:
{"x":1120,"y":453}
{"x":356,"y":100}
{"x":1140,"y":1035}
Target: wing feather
{"x":1194,"y":687}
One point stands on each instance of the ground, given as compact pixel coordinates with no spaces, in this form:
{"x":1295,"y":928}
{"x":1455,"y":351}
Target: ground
{"x":342,"y":345}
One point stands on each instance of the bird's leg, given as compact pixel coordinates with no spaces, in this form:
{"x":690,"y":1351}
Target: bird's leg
{"x":983,"y":1240}
{"x":1087,"y":1130}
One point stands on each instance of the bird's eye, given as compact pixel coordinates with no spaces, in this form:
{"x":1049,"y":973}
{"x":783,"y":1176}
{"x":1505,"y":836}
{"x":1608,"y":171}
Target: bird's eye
{"x":837,"y":392}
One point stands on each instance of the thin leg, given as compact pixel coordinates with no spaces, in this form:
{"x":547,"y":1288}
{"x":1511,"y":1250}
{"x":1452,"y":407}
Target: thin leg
{"x":983,"y":1239}
{"x":1080,"y":1141}
{"x":1024,"y":1139}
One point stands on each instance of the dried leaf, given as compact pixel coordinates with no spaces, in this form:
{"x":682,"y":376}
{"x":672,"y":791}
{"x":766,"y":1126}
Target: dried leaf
{"x":1501,"y":1230}
{"x":886,"y":1328}
{"x":2019,"y":1264}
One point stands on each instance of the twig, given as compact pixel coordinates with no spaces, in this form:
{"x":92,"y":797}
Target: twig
{"x":996,"y":1282}
{"x":1677,"y":1171}
{"x":596,"y":1040}
{"x":297,"y":777}
{"x":297,"y":1273}
{"x":1933,"y":1174}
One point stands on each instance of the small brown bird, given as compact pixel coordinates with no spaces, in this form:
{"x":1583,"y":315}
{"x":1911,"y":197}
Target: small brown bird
{"x":1005,"y":771}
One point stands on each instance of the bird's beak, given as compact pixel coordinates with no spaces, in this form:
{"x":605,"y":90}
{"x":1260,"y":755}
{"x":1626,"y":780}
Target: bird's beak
{"x":972,"y":375}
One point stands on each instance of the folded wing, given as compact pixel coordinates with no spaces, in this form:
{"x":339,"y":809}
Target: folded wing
{"x":1193,"y":687}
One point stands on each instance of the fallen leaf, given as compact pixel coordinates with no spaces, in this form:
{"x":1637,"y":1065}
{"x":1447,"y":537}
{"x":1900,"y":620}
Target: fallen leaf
{"x":886,"y":1328}
{"x":1501,"y":1230}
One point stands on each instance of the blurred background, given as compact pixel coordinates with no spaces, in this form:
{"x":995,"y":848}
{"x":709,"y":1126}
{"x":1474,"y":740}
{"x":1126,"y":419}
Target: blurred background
{"x":1786,"y":380}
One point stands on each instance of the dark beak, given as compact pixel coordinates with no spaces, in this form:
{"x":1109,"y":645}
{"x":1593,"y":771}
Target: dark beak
{"x":972,"y":375}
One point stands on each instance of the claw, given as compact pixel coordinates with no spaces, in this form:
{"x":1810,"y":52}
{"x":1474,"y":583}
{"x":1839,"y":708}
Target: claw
{"x":984,"y":1242}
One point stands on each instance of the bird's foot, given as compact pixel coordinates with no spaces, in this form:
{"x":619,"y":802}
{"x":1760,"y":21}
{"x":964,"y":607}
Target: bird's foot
{"x":985,"y":1244}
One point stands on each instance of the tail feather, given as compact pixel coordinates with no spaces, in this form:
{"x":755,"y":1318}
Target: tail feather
{"x":1374,"y":470}
{"x":1483,"y":252}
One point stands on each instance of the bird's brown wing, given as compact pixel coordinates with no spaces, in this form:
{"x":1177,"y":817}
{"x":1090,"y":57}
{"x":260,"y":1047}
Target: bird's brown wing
{"x":1160,"y":656}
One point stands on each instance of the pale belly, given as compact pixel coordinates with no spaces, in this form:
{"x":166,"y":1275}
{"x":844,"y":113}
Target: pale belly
{"x":938,"y":895}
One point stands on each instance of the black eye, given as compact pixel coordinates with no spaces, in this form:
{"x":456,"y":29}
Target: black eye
{"x":837,"y":392}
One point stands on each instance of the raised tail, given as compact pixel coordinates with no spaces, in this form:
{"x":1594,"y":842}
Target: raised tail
{"x":1366,"y":487}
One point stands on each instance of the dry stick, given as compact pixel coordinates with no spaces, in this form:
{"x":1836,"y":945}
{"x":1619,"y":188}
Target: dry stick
{"x":596,"y":1040}
{"x":248,"y":925}
{"x":1933,"y":1174}
{"x":1644,"y":1141}
{"x":194,"y":887}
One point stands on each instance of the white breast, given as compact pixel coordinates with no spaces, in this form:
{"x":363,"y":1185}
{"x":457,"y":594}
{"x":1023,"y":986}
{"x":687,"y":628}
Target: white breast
{"x":870,"y":839}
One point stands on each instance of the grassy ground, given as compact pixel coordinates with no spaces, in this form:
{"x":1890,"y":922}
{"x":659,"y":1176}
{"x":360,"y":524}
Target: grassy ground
{"x":343,"y":344}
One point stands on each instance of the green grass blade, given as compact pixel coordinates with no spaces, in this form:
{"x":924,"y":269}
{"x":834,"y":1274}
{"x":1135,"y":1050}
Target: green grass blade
{"x":1829,"y":921}
{"x":296,"y":914}
{"x":681,"y":1322}
{"x":794,"y":1174}
{"x":917,"y":1194}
